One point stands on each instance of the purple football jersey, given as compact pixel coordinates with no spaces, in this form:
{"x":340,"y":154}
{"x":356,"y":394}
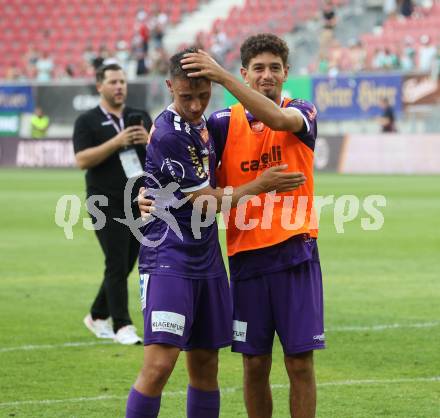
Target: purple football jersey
{"x":180,"y":160}
{"x":286,"y":254}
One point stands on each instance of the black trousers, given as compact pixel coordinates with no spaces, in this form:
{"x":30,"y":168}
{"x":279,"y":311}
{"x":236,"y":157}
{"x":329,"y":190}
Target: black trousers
{"x":121,"y":250}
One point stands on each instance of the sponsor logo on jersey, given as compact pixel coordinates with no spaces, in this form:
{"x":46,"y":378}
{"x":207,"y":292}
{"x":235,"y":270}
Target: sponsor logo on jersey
{"x":197,"y":165}
{"x":175,"y":168}
{"x":267,"y":159}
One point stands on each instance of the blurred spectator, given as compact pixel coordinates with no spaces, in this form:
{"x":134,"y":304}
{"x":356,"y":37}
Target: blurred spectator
{"x":406,"y":8}
{"x":408,"y":55}
{"x":385,"y":59}
{"x":335,"y":56}
{"x":391,"y":60}
{"x":390,"y":8}
{"x":31,"y":56}
{"x":122,"y":54}
{"x":426,"y":7}
{"x":329,"y":15}
{"x":158,"y":26}
{"x":89,"y":55}
{"x":357,"y":56}
{"x":103,"y":54}
{"x":44,"y":67}
{"x":85,"y":69}
{"x":436,"y":70}
{"x":13,"y":72}
{"x":427,"y":54}
{"x":69,"y":71}
{"x":378,"y":60}
{"x":329,"y":23}
{"x":39,"y":124}
{"x":66,"y":72}
{"x":159,"y":61}
{"x":387,"y":120}
{"x":200,"y":41}
{"x":140,"y":57}
{"x":220,"y":44}
{"x":323,"y":63}
{"x":141,"y":30}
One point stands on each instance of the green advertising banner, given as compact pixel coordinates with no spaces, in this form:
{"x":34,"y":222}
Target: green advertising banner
{"x":9,"y":124}
{"x":298,"y":87}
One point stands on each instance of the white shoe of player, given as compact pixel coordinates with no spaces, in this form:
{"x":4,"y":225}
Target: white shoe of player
{"x":102,"y":328}
{"x":127,"y":336}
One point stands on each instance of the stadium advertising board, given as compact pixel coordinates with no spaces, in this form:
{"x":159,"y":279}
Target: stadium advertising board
{"x":391,"y":154}
{"x":16,"y":99}
{"x":64,"y":103}
{"x":295,"y":87}
{"x":9,"y":124}
{"x":420,"y":90}
{"x":18,"y":152}
{"x":356,"y":97}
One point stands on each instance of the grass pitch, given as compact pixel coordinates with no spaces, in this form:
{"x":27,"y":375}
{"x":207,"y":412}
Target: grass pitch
{"x":382,"y":294}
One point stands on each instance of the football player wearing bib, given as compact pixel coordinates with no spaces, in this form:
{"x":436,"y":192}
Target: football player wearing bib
{"x":274,"y":263}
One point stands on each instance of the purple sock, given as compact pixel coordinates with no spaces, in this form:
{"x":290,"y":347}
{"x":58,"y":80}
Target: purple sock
{"x":141,"y":406}
{"x":201,"y":404}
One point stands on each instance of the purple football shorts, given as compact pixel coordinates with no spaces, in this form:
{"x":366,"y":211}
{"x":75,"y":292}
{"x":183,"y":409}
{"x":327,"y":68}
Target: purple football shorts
{"x":288,"y":302}
{"x":186,"y":313}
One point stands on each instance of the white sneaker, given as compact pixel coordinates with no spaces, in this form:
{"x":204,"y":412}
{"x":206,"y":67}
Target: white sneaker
{"x":102,"y":328}
{"x":127,"y":336}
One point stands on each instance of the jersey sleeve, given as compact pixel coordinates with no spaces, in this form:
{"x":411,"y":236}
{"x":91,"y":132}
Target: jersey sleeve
{"x":218,"y":126}
{"x":308,"y":112}
{"x":179,"y":160}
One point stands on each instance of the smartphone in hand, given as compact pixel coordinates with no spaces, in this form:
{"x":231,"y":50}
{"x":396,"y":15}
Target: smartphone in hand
{"x":134,"y":119}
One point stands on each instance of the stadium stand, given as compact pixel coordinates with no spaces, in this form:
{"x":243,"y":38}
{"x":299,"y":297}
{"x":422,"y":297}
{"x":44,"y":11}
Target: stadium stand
{"x":398,"y":32}
{"x":276,"y":16}
{"x":64,"y":28}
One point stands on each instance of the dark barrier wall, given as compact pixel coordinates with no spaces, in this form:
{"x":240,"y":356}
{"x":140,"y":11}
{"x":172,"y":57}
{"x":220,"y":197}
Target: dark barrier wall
{"x":64,"y":103}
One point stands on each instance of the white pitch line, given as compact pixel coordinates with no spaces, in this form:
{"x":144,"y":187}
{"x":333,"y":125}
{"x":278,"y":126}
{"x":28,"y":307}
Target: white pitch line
{"x":384,"y":327}
{"x":225,"y":391}
{"x":50,"y":346}
{"x":334,"y":329}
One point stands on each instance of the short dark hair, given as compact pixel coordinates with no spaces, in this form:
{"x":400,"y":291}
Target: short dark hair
{"x":100,"y":72}
{"x":176,"y":70}
{"x":263,"y":42}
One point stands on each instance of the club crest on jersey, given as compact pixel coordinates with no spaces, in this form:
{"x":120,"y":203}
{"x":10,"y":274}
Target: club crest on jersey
{"x":257,"y":126}
{"x":204,"y":134}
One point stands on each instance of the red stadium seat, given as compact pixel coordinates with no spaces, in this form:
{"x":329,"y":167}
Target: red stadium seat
{"x":69,"y":25}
